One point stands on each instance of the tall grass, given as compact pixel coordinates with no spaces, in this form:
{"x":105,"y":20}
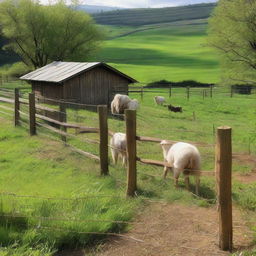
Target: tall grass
{"x":47,"y":171}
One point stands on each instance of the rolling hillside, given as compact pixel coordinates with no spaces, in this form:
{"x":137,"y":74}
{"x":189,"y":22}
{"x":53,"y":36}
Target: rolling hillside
{"x":137,"y":17}
{"x":173,"y":51}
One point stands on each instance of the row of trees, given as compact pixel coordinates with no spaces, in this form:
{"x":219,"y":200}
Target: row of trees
{"x":40,"y":34}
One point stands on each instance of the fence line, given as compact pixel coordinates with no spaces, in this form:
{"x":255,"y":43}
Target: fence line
{"x":152,"y":139}
{"x":93,"y":233}
{"x":83,"y":129}
{"x":87,"y":154}
{"x":186,"y":171}
{"x":59,"y":198}
{"x":205,"y":92}
{"x":223,"y":158}
{"x":13,"y":215}
{"x":6,"y":108}
{"x":5,"y":113}
{"x":67,"y":102}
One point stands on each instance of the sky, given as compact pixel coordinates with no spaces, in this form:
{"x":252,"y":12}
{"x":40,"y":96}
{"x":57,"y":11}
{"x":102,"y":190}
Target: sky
{"x":144,"y":3}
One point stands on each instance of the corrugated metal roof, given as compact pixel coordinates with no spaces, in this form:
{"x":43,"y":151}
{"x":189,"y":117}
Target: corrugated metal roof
{"x":59,"y":71}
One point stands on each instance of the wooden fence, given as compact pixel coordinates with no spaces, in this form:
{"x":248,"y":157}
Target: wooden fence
{"x":223,"y":154}
{"x":204,"y":92}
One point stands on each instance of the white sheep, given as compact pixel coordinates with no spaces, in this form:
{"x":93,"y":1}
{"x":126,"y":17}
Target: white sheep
{"x":119,"y":103}
{"x":181,"y":156}
{"x":133,"y":104}
{"x":159,"y":100}
{"x":118,"y":147}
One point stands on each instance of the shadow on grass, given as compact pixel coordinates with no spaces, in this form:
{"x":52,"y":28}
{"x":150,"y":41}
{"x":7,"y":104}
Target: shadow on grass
{"x":14,"y":222}
{"x":205,"y":192}
{"x":149,"y":193}
{"x":145,"y":57}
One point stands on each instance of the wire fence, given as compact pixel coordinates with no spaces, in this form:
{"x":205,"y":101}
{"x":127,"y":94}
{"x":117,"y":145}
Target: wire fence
{"x":73,"y":115}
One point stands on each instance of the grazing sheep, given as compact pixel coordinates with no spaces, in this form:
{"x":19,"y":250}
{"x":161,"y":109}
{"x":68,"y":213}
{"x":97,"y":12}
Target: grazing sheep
{"x":159,"y":100}
{"x":122,"y":102}
{"x":118,"y":147}
{"x":181,"y":156}
{"x":174,"y":109}
{"x":113,"y":107}
{"x":133,"y":104}
{"x":165,"y":146}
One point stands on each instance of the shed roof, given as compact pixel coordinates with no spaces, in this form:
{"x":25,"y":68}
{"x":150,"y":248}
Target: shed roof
{"x":58,"y":71}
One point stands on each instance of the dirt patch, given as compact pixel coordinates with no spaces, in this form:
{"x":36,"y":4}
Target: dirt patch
{"x":249,"y":177}
{"x":51,"y":150}
{"x":245,"y":158}
{"x":169,"y":229}
{"x":246,"y":178}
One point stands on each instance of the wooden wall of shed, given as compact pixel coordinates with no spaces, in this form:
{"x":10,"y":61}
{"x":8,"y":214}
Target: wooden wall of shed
{"x":96,"y":86}
{"x":47,"y":90}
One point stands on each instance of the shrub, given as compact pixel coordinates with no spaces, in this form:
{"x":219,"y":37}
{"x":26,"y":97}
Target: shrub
{"x":186,"y":83}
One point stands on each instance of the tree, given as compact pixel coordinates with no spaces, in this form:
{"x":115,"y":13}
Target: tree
{"x":232,"y":31}
{"x":40,"y":34}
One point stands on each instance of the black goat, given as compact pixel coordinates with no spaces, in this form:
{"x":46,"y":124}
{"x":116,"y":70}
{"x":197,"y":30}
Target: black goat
{"x":174,"y":109}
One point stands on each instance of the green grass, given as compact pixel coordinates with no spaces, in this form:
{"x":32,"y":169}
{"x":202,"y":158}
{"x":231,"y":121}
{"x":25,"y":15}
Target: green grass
{"x":15,"y":250}
{"x":44,"y":168}
{"x":174,"y":51}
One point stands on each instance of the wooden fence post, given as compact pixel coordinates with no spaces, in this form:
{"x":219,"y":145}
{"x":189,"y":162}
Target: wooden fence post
{"x":188,"y":92}
{"x":231,"y":92}
{"x":170,"y":91}
{"x":16,"y":107}
{"x":223,"y":168}
{"x":211,"y":91}
{"x":63,"y":119}
{"x":32,"y":114}
{"x":103,"y":125}
{"x":141,"y":93}
{"x":130,"y":118}
{"x":203,"y":94}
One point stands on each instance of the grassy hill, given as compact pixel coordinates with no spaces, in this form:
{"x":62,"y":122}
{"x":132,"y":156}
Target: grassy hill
{"x":143,"y":16}
{"x":164,"y":43}
{"x":173,"y":51}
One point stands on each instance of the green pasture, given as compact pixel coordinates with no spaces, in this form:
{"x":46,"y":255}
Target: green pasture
{"x":67,"y":190}
{"x":62,"y":191}
{"x":171,"y":51}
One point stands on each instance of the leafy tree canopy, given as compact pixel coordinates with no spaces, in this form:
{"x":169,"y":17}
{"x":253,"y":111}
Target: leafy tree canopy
{"x":40,"y":34}
{"x":232,"y":31}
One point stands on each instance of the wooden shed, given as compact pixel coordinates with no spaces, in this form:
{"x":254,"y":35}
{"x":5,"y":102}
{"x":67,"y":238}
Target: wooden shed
{"x":81,"y":82}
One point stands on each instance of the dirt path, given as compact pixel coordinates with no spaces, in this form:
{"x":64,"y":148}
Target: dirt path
{"x":170,"y":230}
{"x":249,"y":177}
{"x":246,"y":178}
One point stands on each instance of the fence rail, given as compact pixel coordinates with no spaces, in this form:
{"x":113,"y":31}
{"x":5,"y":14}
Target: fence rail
{"x":209,"y":91}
